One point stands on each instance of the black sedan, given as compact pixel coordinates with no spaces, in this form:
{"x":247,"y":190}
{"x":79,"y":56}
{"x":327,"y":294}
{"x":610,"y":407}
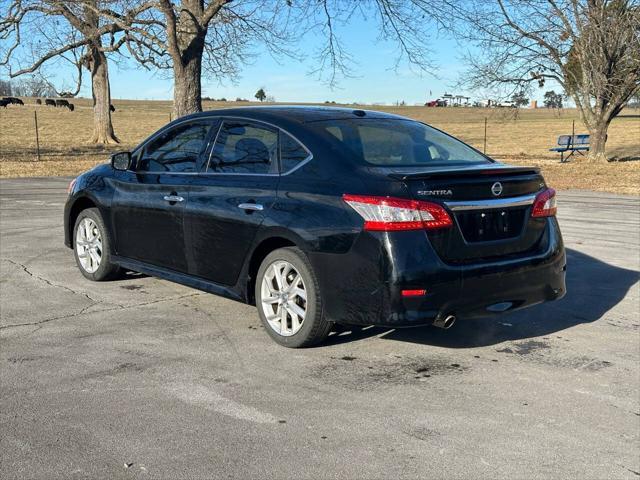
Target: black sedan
{"x":321,"y":216}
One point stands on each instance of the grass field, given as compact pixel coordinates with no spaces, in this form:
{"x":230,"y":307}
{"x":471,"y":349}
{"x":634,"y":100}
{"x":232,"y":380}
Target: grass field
{"x":65,"y":149}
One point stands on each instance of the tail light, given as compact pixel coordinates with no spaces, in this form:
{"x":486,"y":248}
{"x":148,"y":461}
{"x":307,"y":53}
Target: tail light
{"x":414,"y":293}
{"x":391,"y":214}
{"x":545,"y":204}
{"x":72,"y":184}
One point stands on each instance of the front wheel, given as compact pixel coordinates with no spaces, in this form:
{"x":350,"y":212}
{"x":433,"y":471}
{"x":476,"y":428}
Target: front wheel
{"x":289,"y":300}
{"x":91,"y":246}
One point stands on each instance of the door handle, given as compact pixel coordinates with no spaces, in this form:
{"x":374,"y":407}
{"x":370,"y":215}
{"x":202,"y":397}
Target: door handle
{"x":173,"y":198}
{"x":251,"y":206}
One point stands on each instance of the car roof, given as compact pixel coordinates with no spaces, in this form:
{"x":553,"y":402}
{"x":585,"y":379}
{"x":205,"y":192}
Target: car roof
{"x":295,"y":113}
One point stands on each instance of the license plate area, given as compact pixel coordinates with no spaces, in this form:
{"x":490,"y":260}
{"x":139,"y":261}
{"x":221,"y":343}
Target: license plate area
{"x":491,"y":224}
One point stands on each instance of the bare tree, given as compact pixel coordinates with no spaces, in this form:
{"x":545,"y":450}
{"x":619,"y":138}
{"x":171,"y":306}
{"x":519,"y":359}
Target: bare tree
{"x":215,"y":38}
{"x":37,"y":32}
{"x":33,"y":86}
{"x":196,"y":38}
{"x":591,"y":48}
{"x":407,"y":24}
{"x":5,"y":88}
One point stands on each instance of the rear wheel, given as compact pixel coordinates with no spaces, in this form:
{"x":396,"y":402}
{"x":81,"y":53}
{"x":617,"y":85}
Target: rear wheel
{"x":91,"y":246}
{"x":289,"y":300}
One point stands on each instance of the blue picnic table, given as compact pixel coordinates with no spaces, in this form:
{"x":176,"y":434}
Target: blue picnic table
{"x":571,"y":143}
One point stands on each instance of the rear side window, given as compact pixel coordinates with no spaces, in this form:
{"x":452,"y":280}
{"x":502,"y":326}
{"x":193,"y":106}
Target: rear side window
{"x":397,"y":143}
{"x":245,"y":147}
{"x":176,"y":150}
{"x":292,"y":153}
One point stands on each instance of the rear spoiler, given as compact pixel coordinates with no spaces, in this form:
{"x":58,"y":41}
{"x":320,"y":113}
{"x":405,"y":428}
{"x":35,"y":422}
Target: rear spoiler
{"x":476,"y":170}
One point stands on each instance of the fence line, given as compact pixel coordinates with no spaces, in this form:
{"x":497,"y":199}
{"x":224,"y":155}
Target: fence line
{"x":35,"y":117}
{"x":477,"y":134}
{"x":484,"y":149}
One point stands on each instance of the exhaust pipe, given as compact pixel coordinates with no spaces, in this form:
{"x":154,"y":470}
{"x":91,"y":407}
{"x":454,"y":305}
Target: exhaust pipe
{"x":445,"y":322}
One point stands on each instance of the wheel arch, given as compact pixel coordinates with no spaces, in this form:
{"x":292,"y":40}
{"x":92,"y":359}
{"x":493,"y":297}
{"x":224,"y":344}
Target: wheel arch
{"x":80,"y":204}
{"x":261,"y":250}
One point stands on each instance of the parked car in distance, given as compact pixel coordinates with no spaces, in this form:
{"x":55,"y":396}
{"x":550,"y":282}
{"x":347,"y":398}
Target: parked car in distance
{"x":322,"y":215}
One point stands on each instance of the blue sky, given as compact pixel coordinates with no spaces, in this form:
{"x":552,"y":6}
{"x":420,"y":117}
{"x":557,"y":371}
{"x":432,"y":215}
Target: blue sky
{"x":374,"y":77}
{"x":375,"y":80}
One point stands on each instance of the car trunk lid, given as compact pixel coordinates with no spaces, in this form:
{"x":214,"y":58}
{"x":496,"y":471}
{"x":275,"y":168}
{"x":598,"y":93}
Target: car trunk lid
{"x":490,"y":205}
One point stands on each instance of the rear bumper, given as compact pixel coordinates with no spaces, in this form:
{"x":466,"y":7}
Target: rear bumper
{"x":364,"y":285}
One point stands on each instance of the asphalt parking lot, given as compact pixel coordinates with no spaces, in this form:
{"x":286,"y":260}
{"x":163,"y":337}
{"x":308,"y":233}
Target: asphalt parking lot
{"x":141,"y":378}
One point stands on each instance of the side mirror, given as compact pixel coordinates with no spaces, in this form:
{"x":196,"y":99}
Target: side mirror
{"x":121,"y":161}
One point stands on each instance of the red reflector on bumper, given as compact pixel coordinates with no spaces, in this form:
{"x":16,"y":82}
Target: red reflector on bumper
{"x":413,"y":293}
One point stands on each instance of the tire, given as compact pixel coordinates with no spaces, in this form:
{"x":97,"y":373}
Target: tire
{"x":314,"y":327}
{"x":96,"y":237}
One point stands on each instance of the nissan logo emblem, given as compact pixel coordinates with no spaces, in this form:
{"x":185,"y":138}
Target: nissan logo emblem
{"x":496,"y":189}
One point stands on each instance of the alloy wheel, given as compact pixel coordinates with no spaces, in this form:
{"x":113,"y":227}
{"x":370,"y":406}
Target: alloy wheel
{"x":283,"y":298}
{"x":89,"y":245}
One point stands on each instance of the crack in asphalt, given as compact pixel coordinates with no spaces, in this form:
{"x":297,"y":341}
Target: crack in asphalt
{"x":627,"y":468}
{"x":47,"y":281}
{"x":95,"y":302}
{"x":40,"y":323}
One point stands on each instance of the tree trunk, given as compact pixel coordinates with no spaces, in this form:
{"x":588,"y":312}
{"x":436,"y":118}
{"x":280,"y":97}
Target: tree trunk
{"x":597,"y":122}
{"x":187,"y":88}
{"x":598,"y":132}
{"x":101,"y":91}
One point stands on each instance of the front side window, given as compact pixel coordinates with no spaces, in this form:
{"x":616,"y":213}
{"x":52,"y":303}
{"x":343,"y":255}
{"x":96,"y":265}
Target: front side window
{"x":245,"y":147}
{"x":397,"y":143}
{"x":292,"y":153}
{"x":176,"y":150}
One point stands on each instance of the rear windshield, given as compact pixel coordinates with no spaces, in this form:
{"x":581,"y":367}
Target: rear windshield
{"x":397,"y":142}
